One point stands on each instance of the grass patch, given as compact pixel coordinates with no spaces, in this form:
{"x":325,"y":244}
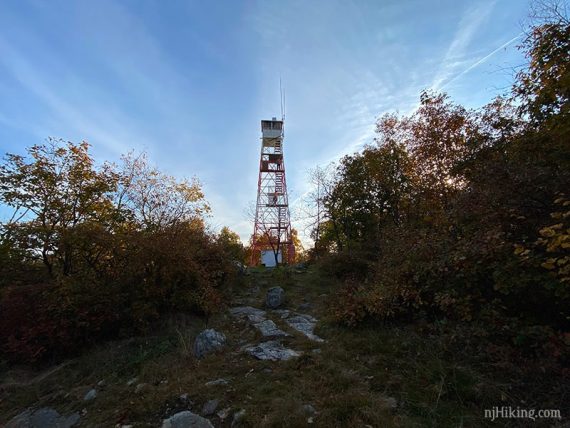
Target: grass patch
{"x":373,"y":375}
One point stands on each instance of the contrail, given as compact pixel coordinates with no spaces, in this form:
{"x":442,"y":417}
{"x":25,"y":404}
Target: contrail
{"x":482,"y":60}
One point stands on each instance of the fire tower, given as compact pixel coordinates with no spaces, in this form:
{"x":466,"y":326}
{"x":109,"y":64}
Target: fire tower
{"x":271,"y":241}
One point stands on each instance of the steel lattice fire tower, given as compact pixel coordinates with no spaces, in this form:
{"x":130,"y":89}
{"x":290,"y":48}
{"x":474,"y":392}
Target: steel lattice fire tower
{"x":272,"y":230}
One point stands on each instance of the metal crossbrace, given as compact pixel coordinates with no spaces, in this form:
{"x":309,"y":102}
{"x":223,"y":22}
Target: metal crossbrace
{"x":272,"y":229}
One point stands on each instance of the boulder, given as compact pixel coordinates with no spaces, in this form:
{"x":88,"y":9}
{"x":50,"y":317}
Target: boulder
{"x":186,"y":419}
{"x":207,"y":342}
{"x":275,"y":297}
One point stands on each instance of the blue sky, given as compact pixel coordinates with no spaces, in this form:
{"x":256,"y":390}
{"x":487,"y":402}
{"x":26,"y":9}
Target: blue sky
{"x":189,"y":81}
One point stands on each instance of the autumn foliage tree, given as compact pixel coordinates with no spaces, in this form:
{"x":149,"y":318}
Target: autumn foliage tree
{"x":461,"y":214}
{"x":92,"y":251}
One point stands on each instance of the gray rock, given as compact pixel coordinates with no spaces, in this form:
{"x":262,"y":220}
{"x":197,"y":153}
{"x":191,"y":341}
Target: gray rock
{"x":309,"y":410}
{"x":250,"y":313}
{"x":224,"y":413}
{"x":271,"y":350}
{"x":304,"y":324}
{"x":238,"y":418}
{"x":210,"y":407}
{"x":141,"y":387}
{"x":207,"y":342}
{"x":45,"y":417}
{"x":186,"y":419}
{"x":268,"y":329}
{"x":240,"y":267}
{"x":305,"y":306}
{"x":102,"y":383}
{"x":91,"y":394}
{"x":132,"y":381}
{"x":217,"y":382}
{"x":275,"y":297}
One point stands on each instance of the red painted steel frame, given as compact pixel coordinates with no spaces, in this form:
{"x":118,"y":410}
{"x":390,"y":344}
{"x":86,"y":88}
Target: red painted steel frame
{"x":272,"y":228}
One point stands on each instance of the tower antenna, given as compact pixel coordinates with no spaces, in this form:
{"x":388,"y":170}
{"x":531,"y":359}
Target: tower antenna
{"x":282,"y":99}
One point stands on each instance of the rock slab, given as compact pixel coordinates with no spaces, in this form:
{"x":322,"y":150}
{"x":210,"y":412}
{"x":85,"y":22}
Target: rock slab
{"x":217,"y":382}
{"x":45,"y":417}
{"x":271,"y":350}
{"x":250,"y":313}
{"x":207,"y":342}
{"x":304,"y":324}
{"x":268,"y":329}
{"x":257,"y":318}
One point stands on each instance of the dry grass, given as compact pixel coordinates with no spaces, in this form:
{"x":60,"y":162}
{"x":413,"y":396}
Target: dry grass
{"x":355,"y":379}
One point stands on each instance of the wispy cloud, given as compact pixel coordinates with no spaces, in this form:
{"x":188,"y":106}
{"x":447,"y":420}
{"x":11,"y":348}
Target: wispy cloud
{"x":482,"y":60}
{"x":190,"y":82}
{"x":455,"y":55}
{"x":110,"y":134}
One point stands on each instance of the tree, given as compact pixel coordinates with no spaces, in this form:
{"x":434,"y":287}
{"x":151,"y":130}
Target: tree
{"x":314,"y":212}
{"x":55,"y":188}
{"x":231,"y":244}
{"x":370,"y":190}
{"x":297,"y":244}
{"x":156,"y":200}
{"x":544,"y":87}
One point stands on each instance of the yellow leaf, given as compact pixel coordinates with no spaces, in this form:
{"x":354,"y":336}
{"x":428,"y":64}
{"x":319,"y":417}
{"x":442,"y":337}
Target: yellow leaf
{"x":519,"y":249}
